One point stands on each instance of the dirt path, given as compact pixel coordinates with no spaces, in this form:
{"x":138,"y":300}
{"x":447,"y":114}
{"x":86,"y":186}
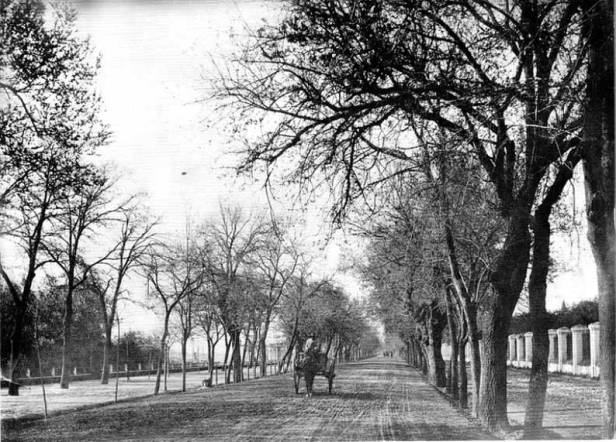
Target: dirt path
{"x":372,"y":400}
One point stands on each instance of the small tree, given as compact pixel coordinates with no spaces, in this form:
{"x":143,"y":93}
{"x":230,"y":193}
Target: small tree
{"x":232,"y":243}
{"x":135,"y":237}
{"x":276,"y":262}
{"x":173,"y":274}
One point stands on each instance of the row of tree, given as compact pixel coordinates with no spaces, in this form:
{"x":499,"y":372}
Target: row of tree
{"x":233,"y":279}
{"x":62,"y":217}
{"x":508,"y":97}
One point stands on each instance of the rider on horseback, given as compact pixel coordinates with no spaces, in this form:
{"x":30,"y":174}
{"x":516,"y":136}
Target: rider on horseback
{"x":311,"y":345}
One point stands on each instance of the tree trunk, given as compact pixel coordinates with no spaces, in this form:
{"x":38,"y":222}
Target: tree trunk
{"x":598,"y":164}
{"x":538,"y":382}
{"x":452,"y":380}
{"x":287,"y":354}
{"x":106,"y":350}
{"x":438,"y":370}
{"x":66,"y":338}
{"x":537,"y":291}
{"x":16,"y":347}
{"x":211,"y":347}
{"x":184,"y":343}
{"x":492,"y":409}
{"x":236,"y":361}
{"x":225,"y":363}
{"x":163,"y":354}
{"x":424,"y":357}
{"x":262,"y":344}
{"x":463,"y":388}
{"x":475,"y":368}
{"x":244,"y":350}
{"x":506,"y":282}
{"x":469,"y":313}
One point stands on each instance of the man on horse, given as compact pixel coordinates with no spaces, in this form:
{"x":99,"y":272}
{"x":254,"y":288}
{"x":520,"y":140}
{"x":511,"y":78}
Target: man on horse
{"x":311,"y":345}
{"x":310,"y":362}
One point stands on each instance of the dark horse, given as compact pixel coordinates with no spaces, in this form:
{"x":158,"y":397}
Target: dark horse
{"x":308,"y":365}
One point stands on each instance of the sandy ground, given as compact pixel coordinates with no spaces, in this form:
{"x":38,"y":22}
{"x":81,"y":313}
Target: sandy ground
{"x":87,"y":393}
{"x":572,"y":407}
{"x":372,"y":400}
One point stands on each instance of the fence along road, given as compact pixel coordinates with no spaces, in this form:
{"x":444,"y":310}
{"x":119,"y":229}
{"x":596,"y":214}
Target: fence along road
{"x":374,"y":399}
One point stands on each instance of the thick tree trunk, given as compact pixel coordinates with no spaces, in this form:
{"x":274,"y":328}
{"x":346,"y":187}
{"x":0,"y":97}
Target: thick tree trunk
{"x":439,"y":364}
{"x":106,"y":350}
{"x":506,"y":281}
{"x":538,"y":382}
{"x":537,"y":291}
{"x":475,"y":369}
{"x":492,"y":410}
{"x":435,"y":363}
{"x":66,"y":338}
{"x":598,"y":164}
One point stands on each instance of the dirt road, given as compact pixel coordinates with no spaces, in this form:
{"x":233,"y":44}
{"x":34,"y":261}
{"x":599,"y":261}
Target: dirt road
{"x":372,"y":400}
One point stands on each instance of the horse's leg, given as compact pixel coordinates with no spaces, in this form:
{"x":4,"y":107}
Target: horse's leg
{"x":296,"y":379}
{"x":309,"y":376}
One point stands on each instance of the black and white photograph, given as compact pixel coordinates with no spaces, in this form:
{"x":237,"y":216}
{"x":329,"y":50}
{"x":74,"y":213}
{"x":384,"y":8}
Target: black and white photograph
{"x":325,"y":220}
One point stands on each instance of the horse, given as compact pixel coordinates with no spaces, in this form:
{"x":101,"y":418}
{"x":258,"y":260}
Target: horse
{"x":310,"y":364}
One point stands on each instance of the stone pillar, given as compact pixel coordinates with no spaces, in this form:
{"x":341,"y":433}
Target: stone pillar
{"x":553,"y":346}
{"x":528,"y":346}
{"x":519,"y":354}
{"x":512,"y":352}
{"x":595,"y":332}
{"x":562,"y":332}
{"x":577,"y":343}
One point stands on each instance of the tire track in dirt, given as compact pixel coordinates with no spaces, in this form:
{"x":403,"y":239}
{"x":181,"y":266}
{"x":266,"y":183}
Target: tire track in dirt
{"x":378,"y":399}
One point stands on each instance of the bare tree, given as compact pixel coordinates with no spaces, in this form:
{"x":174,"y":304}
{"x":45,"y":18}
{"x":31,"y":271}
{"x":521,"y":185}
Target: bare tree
{"x":81,"y":213}
{"x":276,"y":262}
{"x":300,"y":291}
{"x":185,"y":312}
{"x":208,"y":318}
{"x":173,"y":273}
{"x":135,"y":237}
{"x":233,"y":241}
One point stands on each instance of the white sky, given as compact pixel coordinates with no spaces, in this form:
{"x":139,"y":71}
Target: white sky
{"x":156,"y":59}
